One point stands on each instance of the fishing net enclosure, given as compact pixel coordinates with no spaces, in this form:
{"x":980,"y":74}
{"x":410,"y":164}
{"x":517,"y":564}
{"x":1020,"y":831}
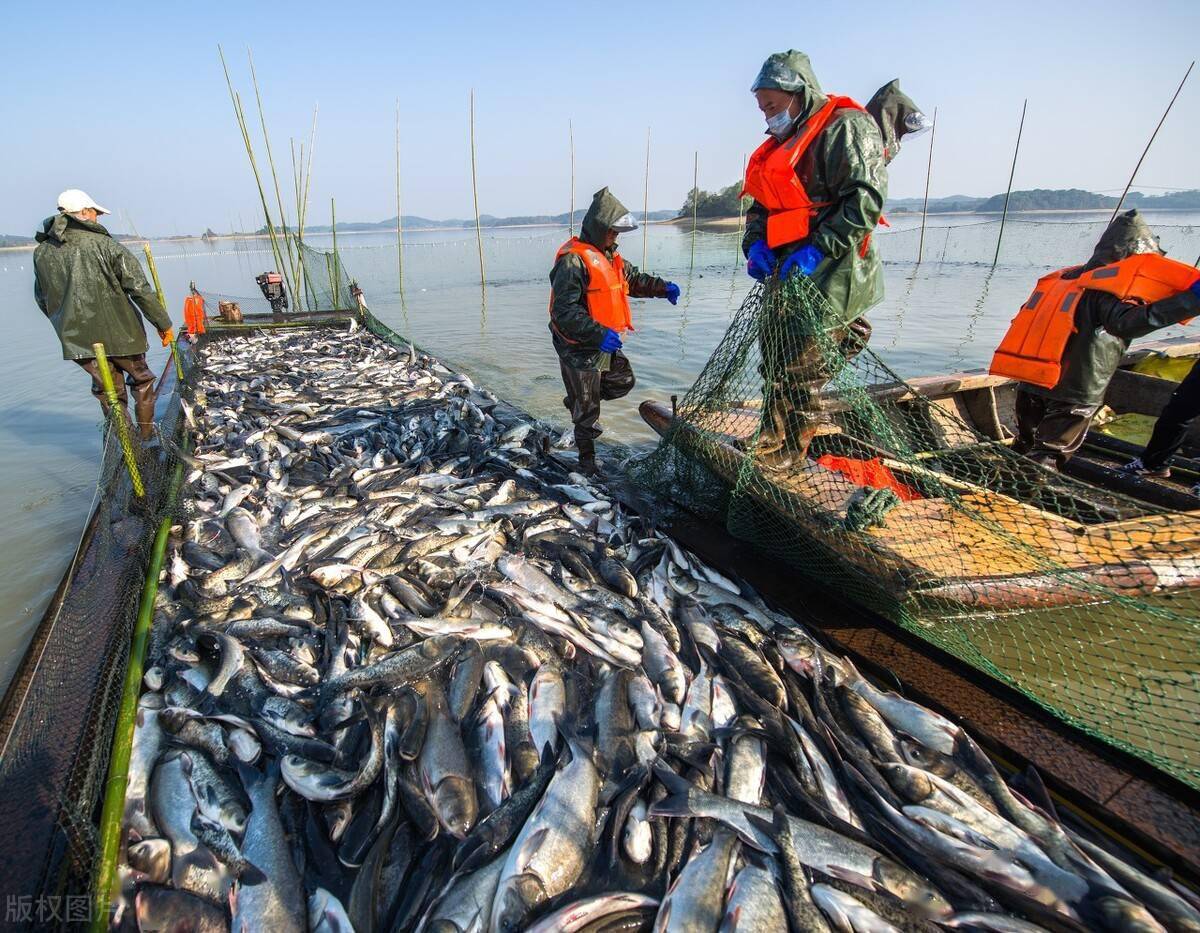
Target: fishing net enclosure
{"x":914,"y":505}
{"x":61,"y":708}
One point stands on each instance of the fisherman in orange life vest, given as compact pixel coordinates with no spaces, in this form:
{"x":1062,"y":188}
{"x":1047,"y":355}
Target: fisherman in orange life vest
{"x":589,"y":310}
{"x":818,"y":184}
{"x":1067,"y":340}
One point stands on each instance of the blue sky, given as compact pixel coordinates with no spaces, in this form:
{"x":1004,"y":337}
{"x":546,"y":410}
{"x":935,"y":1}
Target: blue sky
{"x":127,"y":100}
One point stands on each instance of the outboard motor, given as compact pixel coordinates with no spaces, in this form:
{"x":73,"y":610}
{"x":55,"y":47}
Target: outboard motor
{"x":271,"y":284}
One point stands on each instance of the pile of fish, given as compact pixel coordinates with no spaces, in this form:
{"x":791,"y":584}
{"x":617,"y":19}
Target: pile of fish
{"x":409,"y":672}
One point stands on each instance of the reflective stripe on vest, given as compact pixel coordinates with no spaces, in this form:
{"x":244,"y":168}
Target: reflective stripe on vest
{"x":772,"y":181}
{"x":607,"y":289}
{"x":1032,"y":349}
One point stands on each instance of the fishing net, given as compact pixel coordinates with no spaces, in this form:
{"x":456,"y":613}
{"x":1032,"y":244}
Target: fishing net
{"x":911,"y":502}
{"x":60,"y":710}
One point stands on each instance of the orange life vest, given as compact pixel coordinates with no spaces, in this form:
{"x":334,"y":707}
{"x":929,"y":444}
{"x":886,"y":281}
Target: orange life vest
{"x":607,"y":289}
{"x":772,"y":181}
{"x":1033,"y":348}
{"x":193,"y":314}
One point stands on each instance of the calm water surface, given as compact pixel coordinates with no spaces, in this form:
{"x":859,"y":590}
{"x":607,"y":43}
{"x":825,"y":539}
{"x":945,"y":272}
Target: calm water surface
{"x":945,"y":314}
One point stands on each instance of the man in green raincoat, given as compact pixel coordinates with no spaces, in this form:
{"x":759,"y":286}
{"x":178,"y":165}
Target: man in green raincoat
{"x":589,"y":310}
{"x":818,"y":184}
{"x":92,"y":288}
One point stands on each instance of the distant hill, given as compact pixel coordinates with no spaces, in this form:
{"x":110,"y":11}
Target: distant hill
{"x":485,"y":220}
{"x":1051,"y":199}
{"x":9,"y":240}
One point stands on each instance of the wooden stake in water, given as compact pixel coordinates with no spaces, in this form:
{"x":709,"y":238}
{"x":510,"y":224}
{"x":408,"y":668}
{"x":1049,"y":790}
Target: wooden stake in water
{"x":1125,"y":193}
{"x":695,"y":204}
{"x":646,"y":201}
{"x":336,"y":278}
{"x":571,"y":144}
{"x":475,"y":195}
{"x":1008,"y":192}
{"x":742,"y":208}
{"x":928,"y":175}
{"x":399,"y":223}
{"x":162,"y":300}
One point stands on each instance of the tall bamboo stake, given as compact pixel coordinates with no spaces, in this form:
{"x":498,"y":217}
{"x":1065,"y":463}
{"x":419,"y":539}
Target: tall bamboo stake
{"x":297,"y":183}
{"x":928,"y":175}
{"x":240,"y":115}
{"x":1008,"y":192}
{"x":399,"y":224}
{"x":475,"y":195}
{"x":336,"y":278}
{"x":571,"y":216}
{"x":646,"y":201}
{"x":742,"y":207}
{"x":162,"y":300}
{"x":1125,"y":193}
{"x":262,"y":119}
{"x":695,"y":204}
{"x":303,"y":219}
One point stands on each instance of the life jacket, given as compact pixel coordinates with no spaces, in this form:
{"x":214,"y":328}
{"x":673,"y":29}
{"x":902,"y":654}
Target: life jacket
{"x":1032,"y":350}
{"x":772,"y":181}
{"x":607,"y":289}
{"x":193,"y":314}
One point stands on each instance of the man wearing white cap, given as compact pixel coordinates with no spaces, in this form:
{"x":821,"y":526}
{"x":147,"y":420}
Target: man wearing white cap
{"x":91,"y":288}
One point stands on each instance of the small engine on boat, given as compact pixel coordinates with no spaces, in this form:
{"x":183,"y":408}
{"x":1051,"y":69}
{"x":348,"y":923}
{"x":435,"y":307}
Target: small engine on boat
{"x":271,"y":284}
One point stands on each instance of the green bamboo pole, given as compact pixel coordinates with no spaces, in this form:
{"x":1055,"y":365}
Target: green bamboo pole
{"x":928,"y":176}
{"x":695,"y":204}
{"x":106,"y":883}
{"x":1008,"y":193}
{"x":262,"y":119}
{"x":240,"y":115}
{"x":646,"y":201}
{"x":162,"y":300}
{"x":571,"y":216}
{"x":120,"y":418}
{"x":1174,"y":97}
{"x":475,"y":195}
{"x":336,"y":278}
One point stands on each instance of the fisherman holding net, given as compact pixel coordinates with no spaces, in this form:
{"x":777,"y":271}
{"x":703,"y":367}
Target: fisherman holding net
{"x":1064,"y":361}
{"x":92,"y":289}
{"x":589,"y":310}
{"x":818,"y":183}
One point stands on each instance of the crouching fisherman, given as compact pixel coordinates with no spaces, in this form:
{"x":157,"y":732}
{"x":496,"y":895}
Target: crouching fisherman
{"x":1068,"y":339}
{"x":92,"y":288}
{"x":589,"y":310}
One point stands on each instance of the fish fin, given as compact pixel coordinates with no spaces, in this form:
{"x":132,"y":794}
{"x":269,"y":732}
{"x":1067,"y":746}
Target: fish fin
{"x":525,"y":853}
{"x":250,"y":776}
{"x":251,"y":875}
{"x":200,"y":858}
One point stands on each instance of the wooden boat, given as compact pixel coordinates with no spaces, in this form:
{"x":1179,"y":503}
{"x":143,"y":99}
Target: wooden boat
{"x":1023,"y":538}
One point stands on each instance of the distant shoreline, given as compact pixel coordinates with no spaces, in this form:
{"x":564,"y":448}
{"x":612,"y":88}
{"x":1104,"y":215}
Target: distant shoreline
{"x":702,"y":223}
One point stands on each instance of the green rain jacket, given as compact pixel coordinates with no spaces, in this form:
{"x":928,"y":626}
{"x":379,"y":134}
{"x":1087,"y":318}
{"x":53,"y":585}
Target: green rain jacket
{"x":1104,"y":325}
{"x":91,"y":288}
{"x":845,"y":167}
{"x":576,"y":336}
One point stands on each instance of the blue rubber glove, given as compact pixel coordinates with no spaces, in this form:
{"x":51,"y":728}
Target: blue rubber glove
{"x":760,"y":261}
{"x":805,"y":259}
{"x":672,"y":294}
{"x":1194,"y":288}
{"x":611,"y":342}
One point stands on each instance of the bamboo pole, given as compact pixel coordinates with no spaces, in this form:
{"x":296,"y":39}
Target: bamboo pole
{"x":695,"y":204}
{"x":120,"y":418}
{"x":1125,"y":193}
{"x":240,"y":115}
{"x":302,"y":220}
{"x":336,"y":277}
{"x":1008,"y":193}
{"x":646,"y":202}
{"x":162,"y":300}
{"x":475,"y":195}
{"x":399,"y":224}
{"x":106,"y":883}
{"x":742,"y":208}
{"x":571,"y":142}
{"x":928,"y":175}
{"x":262,"y":119}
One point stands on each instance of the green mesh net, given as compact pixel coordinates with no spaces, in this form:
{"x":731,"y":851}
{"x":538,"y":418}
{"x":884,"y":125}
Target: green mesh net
{"x":909,"y":500}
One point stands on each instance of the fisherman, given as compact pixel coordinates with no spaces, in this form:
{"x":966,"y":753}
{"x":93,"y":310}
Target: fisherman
{"x":1170,"y":430}
{"x":590,"y":286}
{"x":818,"y":183}
{"x":88,"y":285}
{"x":1064,"y":363}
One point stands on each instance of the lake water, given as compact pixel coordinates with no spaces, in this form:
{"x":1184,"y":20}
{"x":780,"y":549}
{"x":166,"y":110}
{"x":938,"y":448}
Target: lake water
{"x":945,"y":314}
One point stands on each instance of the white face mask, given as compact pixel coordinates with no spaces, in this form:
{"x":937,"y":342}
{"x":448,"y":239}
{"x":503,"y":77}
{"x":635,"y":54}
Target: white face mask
{"x":780,"y":124}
